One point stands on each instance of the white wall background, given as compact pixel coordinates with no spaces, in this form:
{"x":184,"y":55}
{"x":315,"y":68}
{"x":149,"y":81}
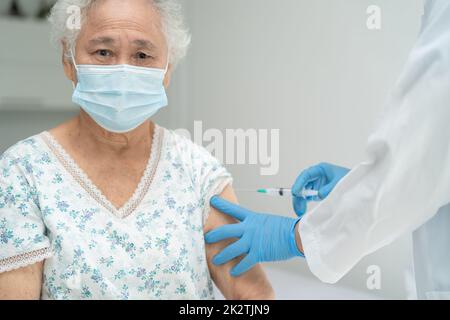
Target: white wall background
{"x":310,"y":68}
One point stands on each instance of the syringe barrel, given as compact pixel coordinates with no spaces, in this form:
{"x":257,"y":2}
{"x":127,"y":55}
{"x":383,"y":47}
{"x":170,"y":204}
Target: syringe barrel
{"x":309,"y":193}
{"x":278,"y":192}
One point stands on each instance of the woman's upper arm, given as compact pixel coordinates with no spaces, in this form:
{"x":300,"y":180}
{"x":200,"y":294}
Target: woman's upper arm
{"x":24,"y":244}
{"x":22,"y":284}
{"x":251,"y":285}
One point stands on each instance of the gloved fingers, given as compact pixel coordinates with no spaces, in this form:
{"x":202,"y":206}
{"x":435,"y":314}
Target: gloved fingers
{"x":317,"y":185}
{"x":231,"y":252}
{"x":300,"y":205}
{"x":334,"y":176}
{"x":245,"y":265}
{"x":305,"y":177}
{"x":326,"y":189}
{"x":227,"y":231}
{"x":310,"y":185}
{"x":229,"y":208}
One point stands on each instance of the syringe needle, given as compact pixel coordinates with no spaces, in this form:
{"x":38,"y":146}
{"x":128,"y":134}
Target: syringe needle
{"x":280,"y":192}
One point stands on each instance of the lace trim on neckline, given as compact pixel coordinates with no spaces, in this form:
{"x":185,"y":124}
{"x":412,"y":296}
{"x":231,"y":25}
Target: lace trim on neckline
{"x":86,"y":183}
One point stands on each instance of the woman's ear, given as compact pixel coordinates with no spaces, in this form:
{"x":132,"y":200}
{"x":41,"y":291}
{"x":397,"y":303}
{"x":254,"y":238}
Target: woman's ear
{"x":168,"y":76}
{"x":69,"y":68}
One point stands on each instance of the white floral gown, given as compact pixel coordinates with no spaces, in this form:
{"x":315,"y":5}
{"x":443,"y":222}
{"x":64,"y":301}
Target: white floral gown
{"x":151,"y":248}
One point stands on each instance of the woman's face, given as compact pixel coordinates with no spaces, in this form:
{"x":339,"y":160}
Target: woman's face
{"x":121,"y":32}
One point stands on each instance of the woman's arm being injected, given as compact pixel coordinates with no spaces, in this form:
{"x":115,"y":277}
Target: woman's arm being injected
{"x":252,"y":285}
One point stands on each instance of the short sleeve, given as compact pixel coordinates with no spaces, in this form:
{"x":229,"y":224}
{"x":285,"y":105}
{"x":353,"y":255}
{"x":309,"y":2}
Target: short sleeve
{"x":22,"y":232}
{"x":209,"y":176}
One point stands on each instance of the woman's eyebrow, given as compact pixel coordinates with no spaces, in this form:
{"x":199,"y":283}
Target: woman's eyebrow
{"x":144,"y":44}
{"x":102,"y":40}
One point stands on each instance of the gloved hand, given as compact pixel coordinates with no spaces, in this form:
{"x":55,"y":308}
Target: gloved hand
{"x":263,"y":237}
{"x":322,"y":177}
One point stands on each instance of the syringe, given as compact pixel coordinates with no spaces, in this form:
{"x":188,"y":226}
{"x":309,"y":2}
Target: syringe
{"x":306,"y":193}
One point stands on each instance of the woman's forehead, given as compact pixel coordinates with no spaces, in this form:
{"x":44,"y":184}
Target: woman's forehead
{"x":110,"y":21}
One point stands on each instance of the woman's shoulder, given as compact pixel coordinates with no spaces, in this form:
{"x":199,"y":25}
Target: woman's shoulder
{"x":180,"y":140}
{"x":176,"y":136}
{"x":24,"y":150}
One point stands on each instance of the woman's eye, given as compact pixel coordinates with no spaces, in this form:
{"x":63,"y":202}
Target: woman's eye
{"x":142,"y":56}
{"x":104,"y":53}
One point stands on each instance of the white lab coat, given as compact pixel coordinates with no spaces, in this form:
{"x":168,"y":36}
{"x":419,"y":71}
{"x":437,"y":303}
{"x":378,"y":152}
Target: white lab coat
{"x":406,"y":178}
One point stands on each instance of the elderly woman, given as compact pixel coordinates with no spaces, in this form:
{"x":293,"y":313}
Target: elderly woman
{"x":109,"y":205}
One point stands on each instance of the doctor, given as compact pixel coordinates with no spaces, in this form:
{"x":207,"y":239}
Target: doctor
{"x":403,"y":186}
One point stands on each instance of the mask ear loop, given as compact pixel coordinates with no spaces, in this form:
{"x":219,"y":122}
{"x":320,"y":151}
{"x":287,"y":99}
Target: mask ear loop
{"x":168,"y":58}
{"x":167,"y":64}
{"x":74,"y":64}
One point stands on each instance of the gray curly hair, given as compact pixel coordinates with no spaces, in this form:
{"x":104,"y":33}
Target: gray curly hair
{"x":177,"y":35}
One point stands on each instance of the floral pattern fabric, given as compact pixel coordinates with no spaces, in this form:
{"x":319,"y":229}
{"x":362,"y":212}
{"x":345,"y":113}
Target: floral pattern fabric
{"x":151,"y":248}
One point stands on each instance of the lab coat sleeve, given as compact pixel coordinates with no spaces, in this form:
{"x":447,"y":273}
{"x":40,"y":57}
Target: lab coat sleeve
{"x":406,"y":177}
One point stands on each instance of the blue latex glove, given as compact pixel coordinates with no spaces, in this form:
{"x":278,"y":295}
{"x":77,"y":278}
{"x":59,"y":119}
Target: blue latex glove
{"x":263,"y":237}
{"x":322,"y":177}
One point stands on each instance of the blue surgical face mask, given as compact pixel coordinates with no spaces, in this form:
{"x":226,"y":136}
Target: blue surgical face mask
{"x":120,"y":98}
